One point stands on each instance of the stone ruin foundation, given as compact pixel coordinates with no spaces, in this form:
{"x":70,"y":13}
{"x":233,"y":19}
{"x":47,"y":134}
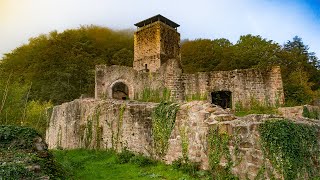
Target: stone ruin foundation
{"x":118,"y":124}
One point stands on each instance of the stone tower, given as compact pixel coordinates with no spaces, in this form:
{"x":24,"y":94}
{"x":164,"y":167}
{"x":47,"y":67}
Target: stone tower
{"x":155,"y":41}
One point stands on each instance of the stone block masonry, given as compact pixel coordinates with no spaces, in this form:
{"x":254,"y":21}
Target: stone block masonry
{"x":154,"y":44}
{"x":117,"y":124}
{"x":157,"y":66}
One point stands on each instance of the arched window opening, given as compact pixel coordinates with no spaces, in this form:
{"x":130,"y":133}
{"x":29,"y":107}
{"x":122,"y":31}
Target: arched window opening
{"x":222,"y":98}
{"x":120,"y":91}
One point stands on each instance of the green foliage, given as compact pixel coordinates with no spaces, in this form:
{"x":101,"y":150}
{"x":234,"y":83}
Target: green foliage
{"x":124,"y":156}
{"x":119,"y":126}
{"x":153,"y":95}
{"x":196,"y":97}
{"x":163,"y":119}
{"x":208,"y":54}
{"x":123,"y":57}
{"x":17,"y":137}
{"x":184,"y":142}
{"x":17,"y":109}
{"x":300,"y":68}
{"x":61,"y":66}
{"x":313,"y":114}
{"x":142,"y":161}
{"x":92,"y":164}
{"x":98,"y":128}
{"x":186,"y":166}
{"x":292,"y":148}
{"x":15,"y":171}
{"x":88,"y":134}
{"x":38,"y":115}
{"x":254,"y":107}
{"x":18,"y":156}
{"x":218,"y":148}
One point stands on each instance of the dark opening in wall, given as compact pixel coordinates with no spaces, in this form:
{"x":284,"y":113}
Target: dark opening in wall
{"x":120,"y":91}
{"x":222,"y":98}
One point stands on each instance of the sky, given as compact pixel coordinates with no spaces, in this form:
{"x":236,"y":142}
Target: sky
{"x":278,"y":20}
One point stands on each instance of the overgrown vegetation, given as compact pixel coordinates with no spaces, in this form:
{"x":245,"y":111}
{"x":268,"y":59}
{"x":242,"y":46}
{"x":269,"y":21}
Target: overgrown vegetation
{"x":119,"y":126}
{"x":292,"y":148}
{"x":93,"y":164}
{"x":218,"y":149}
{"x":153,"y":95}
{"x":16,"y":108}
{"x":254,"y":107}
{"x":163,"y":120}
{"x":196,"y":97}
{"x":312,"y":114}
{"x":20,"y":158}
{"x":184,"y":142}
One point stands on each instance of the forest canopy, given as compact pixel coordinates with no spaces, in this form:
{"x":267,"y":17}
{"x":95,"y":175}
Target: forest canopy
{"x":59,"y":67}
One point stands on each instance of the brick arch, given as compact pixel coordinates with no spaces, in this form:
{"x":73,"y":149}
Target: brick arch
{"x":125,"y":82}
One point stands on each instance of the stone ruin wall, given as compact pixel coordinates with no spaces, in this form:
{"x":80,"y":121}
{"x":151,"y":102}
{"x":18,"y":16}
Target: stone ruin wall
{"x":168,"y":76}
{"x":101,"y":124}
{"x":262,"y":85}
{"x":105,"y":124}
{"x":136,"y":81}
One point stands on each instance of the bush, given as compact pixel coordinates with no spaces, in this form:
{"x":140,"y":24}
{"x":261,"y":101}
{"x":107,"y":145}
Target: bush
{"x":17,"y":137}
{"x":19,"y":159}
{"x":124,"y":156}
{"x":313,"y":114}
{"x":186,"y":166}
{"x":14,"y":171}
{"x":142,"y":161}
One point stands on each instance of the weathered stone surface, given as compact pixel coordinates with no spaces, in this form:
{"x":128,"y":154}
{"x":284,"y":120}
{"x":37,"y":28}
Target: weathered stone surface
{"x":296,"y":112}
{"x":117,"y":124}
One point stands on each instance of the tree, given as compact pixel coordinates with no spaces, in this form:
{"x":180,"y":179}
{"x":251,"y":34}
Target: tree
{"x":61,"y":66}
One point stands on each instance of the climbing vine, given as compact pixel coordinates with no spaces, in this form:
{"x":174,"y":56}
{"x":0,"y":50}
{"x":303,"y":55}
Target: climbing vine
{"x":218,"y":149}
{"x":184,"y":143}
{"x":119,"y":124}
{"x":163,"y":119}
{"x":98,"y":128}
{"x":292,"y":148}
{"x":59,"y":138}
{"x":88,"y":134}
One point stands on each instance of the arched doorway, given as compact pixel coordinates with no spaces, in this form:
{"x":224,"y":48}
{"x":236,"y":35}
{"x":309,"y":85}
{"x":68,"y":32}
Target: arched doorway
{"x":120,"y":91}
{"x":222,"y":98}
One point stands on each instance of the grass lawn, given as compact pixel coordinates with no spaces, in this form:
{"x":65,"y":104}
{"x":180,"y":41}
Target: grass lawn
{"x":93,"y":164}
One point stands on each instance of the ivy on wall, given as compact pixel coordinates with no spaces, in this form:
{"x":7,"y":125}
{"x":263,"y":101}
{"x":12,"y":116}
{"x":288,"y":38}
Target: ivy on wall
{"x":119,"y":125}
{"x":218,"y":144}
{"x":292,"y":148}
{"x":163,"y":120}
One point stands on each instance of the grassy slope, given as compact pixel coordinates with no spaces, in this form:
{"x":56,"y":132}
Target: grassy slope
{"x":91,"y":164}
